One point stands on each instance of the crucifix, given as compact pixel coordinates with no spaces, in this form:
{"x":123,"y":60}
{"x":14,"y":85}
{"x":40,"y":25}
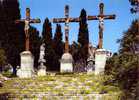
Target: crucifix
{"x":65,"y":20}
{"x":101,"y":18}
{"x":27,"y":22}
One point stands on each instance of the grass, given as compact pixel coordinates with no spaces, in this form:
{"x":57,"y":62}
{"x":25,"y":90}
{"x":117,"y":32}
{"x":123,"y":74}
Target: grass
{"x":60,"y":85}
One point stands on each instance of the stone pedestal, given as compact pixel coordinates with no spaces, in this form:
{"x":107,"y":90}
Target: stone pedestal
{"x":42,"y":70}
{"x":100,"y":60}
{"x":26,"y":68}
{"x":66,"y":63}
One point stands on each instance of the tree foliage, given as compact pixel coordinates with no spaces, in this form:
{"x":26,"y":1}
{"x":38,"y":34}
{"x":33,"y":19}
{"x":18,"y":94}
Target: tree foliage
{"x":130,"y":40}
{"x":58,"y":46}
{"x":47,"y":39}
{"x":35,"y":42}
{"x":124,"y":66}
{"x":10,"y":33}
{"x":83,"y":36}
{"x":135,"y":6}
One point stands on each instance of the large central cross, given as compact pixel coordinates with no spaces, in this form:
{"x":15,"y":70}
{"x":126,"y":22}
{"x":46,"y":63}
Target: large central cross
{"x":27,"y":22}
{"x":65,"y":20}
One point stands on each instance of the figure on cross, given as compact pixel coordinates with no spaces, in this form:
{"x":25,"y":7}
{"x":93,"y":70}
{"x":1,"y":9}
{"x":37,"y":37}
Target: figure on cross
{"x":27,"y":22}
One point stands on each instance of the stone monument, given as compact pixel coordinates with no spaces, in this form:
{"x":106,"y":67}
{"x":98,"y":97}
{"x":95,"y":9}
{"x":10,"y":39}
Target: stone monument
{"x":66,"y":64}
{"x":26,"y":68}
{"x":100,"y":60}
{"x":42,"y":68}
{"x":27,"y":60}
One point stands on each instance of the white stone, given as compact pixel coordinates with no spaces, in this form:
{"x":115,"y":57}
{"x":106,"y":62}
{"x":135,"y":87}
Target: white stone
{"x":100,"y":60}
{"x":41,"y":72}
{"x":66,"y":64}
{"x":26,"y":68}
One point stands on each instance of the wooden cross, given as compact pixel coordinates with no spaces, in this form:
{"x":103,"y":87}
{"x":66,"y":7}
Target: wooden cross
{"x":101,"y":18}
{"x":65,"y":20}
{"x":27,"y":22}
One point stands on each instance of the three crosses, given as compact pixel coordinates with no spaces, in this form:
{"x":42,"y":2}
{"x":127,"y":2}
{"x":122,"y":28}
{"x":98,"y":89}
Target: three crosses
{"x":67,"y":20}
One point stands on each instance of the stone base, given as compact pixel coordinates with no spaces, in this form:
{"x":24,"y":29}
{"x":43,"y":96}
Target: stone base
{"x":66,"y":64}
{"x":27,"y":62}
{"x":100,"y":61}
{"x":41,"y":72}
{"x":24,"y":73}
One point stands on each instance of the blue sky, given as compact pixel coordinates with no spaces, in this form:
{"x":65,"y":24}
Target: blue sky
{"x":113,"y":29}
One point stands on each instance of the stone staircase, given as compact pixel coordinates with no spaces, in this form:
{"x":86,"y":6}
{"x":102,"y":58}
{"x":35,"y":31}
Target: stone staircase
{"x":60,"y":87}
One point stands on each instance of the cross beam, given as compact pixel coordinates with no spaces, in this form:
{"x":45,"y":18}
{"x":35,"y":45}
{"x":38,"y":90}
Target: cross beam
{"x":27,"y":22}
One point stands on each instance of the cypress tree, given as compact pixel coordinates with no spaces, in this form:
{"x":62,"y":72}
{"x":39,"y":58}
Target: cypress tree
{"x":83,"y":36}
{"x":58,"y":47}
{"x":47,"y":39}
{"x":35,"y":42}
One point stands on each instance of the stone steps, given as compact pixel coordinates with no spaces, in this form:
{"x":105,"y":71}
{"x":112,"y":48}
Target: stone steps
{"x":59,"y":87}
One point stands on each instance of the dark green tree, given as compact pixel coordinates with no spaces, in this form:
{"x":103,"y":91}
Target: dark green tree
{"x":10,"y":32}
{"x":124,"y":66}
{"x":35,"y":42}
{"x":58,"y":46}
{"x":83,"y":36}
{"x":47,"y":39}
{"x":74,"y":51}
{"x":130,"y":40}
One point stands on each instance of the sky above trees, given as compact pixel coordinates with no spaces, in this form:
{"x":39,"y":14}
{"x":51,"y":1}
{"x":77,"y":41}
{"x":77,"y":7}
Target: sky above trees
{"x":55,"y":8}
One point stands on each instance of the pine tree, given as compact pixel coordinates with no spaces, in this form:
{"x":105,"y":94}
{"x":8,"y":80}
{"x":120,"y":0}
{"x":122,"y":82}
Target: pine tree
{"x":47,"y":39}
{"x":58,"y":46}
{"x":58,"y":43}
{"x":83,"y":36}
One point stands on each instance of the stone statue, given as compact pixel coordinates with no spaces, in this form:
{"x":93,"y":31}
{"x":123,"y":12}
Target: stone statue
{"x":42,"y":68}
{"x":42,"y":53}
